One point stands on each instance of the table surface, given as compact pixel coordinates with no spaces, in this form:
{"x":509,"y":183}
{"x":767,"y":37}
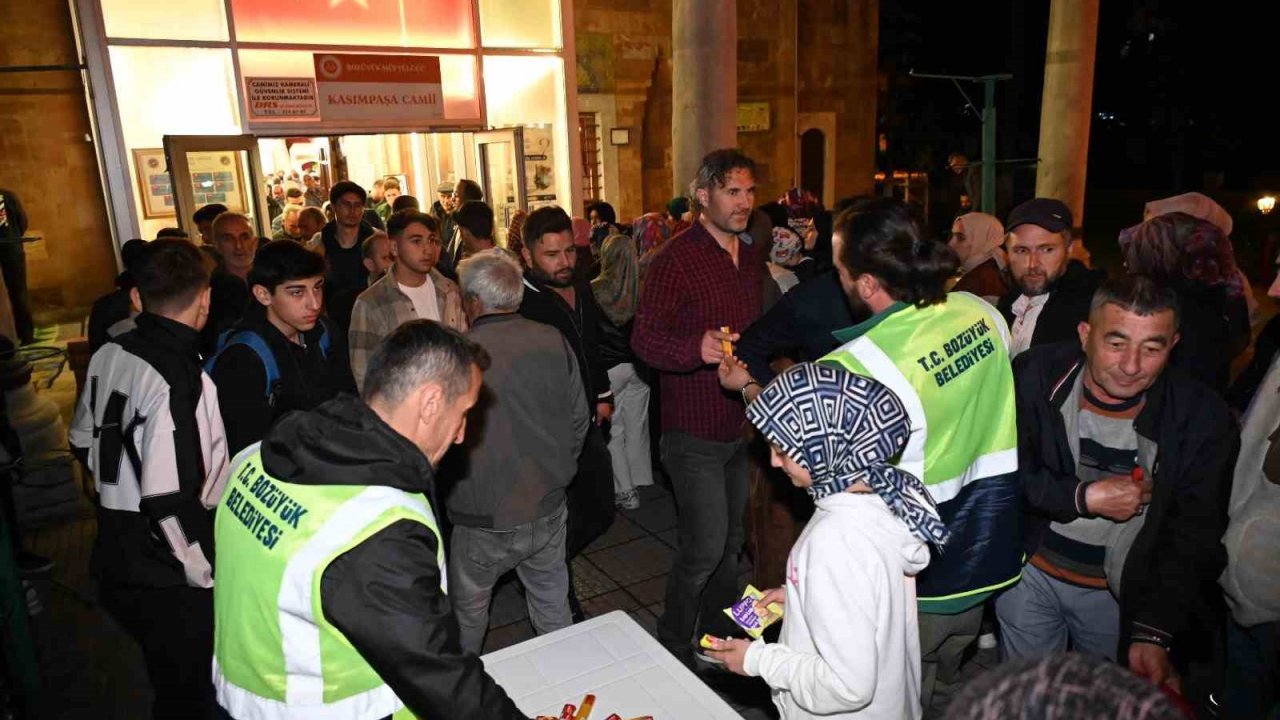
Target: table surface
{"x":612,"y":657}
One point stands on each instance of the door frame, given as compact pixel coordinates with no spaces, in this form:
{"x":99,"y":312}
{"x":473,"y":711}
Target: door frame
{"x":514,"y":137}
{"x":826,"y":122}
{"x":176,"y":148}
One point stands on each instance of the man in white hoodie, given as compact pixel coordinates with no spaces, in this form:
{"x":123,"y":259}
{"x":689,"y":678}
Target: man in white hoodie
{"x":849,"y":645}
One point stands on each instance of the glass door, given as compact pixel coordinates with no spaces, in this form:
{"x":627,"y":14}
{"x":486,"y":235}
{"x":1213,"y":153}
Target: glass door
{"x":224,"y":169}
{"x":500,"y":160}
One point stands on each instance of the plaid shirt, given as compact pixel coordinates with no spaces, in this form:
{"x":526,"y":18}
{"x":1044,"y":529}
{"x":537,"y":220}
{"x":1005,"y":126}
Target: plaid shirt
{"x":384,"y":307}
{"x":692,"y":286}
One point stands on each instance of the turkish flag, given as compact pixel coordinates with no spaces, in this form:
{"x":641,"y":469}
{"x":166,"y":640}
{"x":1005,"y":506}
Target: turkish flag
{"x":390,"y":23}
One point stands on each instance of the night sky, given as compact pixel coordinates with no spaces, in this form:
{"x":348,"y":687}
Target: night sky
{"x":1178,"y":98}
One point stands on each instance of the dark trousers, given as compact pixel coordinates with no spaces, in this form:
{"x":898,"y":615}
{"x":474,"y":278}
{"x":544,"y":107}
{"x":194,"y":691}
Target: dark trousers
{"x":710,"y":483}
{"x":1253,"y":670}
{"x":13,"y":264}
{"x":590,"y":495}
{"x":174,"y":626}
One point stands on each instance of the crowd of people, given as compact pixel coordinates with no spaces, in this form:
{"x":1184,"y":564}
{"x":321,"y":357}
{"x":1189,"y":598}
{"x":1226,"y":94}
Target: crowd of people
{"x":315,"y":456}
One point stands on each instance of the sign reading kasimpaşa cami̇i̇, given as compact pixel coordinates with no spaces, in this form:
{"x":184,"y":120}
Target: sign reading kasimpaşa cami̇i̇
{"x":392,"y":89}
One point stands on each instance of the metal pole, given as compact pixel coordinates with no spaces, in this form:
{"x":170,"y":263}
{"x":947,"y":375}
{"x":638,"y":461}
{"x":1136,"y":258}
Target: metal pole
{"x":989,"y":147}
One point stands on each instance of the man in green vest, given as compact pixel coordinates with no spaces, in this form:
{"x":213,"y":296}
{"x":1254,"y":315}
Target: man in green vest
{"x":330,"y":599}
{"x":946,"y":358}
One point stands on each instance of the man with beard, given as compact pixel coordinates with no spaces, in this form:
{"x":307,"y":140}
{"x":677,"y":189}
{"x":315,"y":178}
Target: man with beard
{"x":945,"y":355}
{"x":708,"y":277}
{"x":1052,"y":292}
{"x":551,"y":296}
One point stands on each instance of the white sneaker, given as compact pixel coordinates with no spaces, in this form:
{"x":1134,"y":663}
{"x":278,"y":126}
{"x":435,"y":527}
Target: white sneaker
{"x":629,"y":500}
{"x":987,"y":641}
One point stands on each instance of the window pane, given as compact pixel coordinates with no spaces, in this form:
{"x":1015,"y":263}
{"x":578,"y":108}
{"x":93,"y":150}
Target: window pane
{"x":457,"y":77}
{"x":530,"y":91}
{"x":156,"y":19}
{"x":520,"y":23}
{"x":390,"y":23}
{"x":174,"y":91}
{"x":171,"y":91}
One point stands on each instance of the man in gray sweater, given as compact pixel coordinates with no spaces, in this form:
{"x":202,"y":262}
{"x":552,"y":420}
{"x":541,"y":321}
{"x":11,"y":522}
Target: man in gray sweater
{"x":528,"y":427}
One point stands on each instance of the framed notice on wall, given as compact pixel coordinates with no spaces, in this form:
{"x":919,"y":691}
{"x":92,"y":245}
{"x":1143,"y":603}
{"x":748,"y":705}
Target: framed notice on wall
{"x":218,"y":177}
{"x":154,"y":186}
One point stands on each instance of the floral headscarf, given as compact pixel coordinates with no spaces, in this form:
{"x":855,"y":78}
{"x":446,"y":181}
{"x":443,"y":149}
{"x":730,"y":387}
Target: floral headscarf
{"x":1177,"y":249}
{"x":515,"y":233}
{"x":800,"y":203}
{"x":617,"y":287}
{"x":581,"y":232}
{"x":651,"y":231}
{"x":844,"y":428}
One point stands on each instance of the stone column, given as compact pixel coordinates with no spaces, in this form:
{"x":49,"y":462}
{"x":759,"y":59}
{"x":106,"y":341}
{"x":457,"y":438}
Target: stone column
{"x":1067,"y":106}
{"x":704,"y":80}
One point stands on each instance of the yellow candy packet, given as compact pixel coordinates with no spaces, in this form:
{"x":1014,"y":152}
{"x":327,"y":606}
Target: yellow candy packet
{"x":750,"y":618}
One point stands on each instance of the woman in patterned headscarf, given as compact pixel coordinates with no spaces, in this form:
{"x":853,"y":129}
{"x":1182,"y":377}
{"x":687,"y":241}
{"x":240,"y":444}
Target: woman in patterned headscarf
{"x":650,"y":232}
{"x":849,"y":639}
{"x":617,"y":290}
{"x":515,"y":237}
{"x":1195,"y":259}
{"x":1202,"y":206}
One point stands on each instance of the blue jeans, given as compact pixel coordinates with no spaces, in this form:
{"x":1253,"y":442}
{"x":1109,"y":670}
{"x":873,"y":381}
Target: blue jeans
{"x":480,"y":556}
{"x":710,"y":483}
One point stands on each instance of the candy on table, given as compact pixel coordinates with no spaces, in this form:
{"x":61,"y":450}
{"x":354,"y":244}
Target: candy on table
{"x":584,"y":710}
{"x":568,"y":711}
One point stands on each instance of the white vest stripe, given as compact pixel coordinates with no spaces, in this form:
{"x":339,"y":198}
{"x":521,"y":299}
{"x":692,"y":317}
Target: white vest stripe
{"x":883,"y":369}
{"x":244,"y":705}
{"x":1000,"y":462}
{"x":298,"y":627}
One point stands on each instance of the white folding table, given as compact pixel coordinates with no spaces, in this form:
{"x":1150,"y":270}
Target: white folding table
{"x":611,"y":657}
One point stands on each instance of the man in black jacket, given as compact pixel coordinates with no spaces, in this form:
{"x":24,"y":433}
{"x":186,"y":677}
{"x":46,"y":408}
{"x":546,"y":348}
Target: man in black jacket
{"x":112,"y":314}
{"x":1124,"y":463}
{"x":552,"y":296}
{"x":147,"y":427}
{"x":798,"y":327}
{"x":342,"y":499}
{"x":1052,"y":292}
{"x":282,"y":355}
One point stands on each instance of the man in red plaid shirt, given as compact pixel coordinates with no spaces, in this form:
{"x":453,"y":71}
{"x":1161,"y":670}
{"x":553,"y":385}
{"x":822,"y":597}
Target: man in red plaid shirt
{"x":707,"y":277}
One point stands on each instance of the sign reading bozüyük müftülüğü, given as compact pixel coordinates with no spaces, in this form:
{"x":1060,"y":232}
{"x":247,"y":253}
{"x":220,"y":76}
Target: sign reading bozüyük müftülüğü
{"x":386,"y":88}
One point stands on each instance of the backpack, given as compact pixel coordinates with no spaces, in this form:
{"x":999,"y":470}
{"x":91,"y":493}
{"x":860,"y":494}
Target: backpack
{"x":255,"y":342}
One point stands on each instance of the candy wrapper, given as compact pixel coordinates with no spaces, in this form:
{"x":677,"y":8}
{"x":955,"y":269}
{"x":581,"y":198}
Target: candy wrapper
{"x":751,"y":619}
{"x":725,"y":346}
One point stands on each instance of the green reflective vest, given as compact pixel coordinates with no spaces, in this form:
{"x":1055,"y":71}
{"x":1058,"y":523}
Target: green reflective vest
{"x":949,"y":365}
{"x":275,"y":654}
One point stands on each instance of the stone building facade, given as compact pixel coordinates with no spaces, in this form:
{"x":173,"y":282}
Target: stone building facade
{"x":812,"y":62}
